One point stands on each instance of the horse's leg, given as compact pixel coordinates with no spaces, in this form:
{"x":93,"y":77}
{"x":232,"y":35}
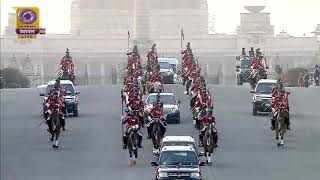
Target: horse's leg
{"x":277,"y":137}
{"x":209,"y":157}
{"x":57,"y":136}
{"x":130,"y":153}
{"x":282,"y":134}
{"x":135,"y":155}
{"x":52,"y":136}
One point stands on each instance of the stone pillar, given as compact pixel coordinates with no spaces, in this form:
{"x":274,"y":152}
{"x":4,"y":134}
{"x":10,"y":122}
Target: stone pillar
{"x":142,"y":25}
{"x":87,"y":74}
{"x":75,"y":18}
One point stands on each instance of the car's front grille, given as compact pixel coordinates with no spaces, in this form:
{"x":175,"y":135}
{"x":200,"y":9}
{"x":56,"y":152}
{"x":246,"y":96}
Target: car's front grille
{"x":179,"y":174}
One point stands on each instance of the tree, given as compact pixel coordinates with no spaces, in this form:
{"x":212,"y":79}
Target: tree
{"x":13,"y":78}
{"x":291,"y":76}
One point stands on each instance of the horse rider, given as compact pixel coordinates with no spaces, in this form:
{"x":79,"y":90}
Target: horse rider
{"x":256,"y":66}
{"x":152,"y":55}
{"x":66,"y":63}
{"x":135,"y":104}
{"x":196,"y":85}
{"x":243,"y":52}
{"x":156,"y":78}
{"x":131,"y":120}
{"x":54,"y":103}
{"x":128,"y":77}
{"x":156,"y":112}
{"x":205,"y":120}
{"x":278,"y":99}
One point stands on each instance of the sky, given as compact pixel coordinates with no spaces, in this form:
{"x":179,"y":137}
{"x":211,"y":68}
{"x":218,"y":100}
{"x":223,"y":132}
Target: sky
{"x":296,"y":17}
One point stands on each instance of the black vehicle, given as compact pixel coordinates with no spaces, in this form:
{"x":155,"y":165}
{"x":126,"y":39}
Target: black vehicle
{"x":178,"y":162}
{"x":166,"y":72}
{"x":243,"y":70}
{"x":171,"y":107}
{"x":261,"y":100}
{"x":71,"y":99}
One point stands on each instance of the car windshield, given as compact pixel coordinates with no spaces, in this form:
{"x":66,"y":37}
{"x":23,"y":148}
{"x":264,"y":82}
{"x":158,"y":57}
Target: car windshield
{"x":264,"y":88}
{"x":166,"y":99}
{"x":245,"y":63}
{"x":164,"y":65}
{"x":179,"y":143}
{"x":67,"y":87}
{"x":178,"y":158}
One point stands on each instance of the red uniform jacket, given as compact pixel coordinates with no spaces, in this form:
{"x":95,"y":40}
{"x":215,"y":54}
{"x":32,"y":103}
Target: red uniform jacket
{"x":156,"y":112}
{"x":208,"y":118}
{"x":136,"y":104}
{"x":130,"y":120}
{"x":138,"y":73}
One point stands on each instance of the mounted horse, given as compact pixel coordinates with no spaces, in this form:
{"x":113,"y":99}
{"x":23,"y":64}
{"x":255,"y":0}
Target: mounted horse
{"x":198,"y":115}
{"x":209,"y":141}
{"x":55,"y":127}
{"x":260,"y":74}
{"x":133,"y":141}
{"x":156,"y":133}
{"x":281,"y":124}
{"x":156,"y":87}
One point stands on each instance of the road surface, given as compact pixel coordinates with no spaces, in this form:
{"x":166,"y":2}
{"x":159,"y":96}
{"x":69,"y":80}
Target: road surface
{"x":91,"y":146}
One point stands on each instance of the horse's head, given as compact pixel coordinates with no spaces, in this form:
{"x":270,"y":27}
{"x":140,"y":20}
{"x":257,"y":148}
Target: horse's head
{"x":156,"y":120}
{"x":135,"y":128}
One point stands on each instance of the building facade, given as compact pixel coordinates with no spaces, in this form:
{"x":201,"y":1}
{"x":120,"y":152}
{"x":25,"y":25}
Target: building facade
{"x":99,"y":31}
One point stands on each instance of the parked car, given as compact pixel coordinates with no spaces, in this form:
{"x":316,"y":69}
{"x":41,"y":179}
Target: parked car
{"x":261,"y":100}
{"x":171,"y":107}
{"x":71,"y":98}
{"x":178,"y":162}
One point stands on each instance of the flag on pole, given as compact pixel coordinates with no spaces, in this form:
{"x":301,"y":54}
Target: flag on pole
{"x":182,"y":35}
{"x":128,"y":34}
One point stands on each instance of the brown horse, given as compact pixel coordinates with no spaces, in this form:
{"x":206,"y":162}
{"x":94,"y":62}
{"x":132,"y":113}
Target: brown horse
{"x":133,"y":141}
{"x":209,"y":141}
{"x":280,"y":125}
{"x":156,"y":133}
{"x":55,"y":128}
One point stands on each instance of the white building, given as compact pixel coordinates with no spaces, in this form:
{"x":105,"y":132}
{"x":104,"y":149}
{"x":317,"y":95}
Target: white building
{"x":98,"y":38}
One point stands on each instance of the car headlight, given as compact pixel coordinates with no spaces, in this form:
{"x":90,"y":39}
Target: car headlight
{"x":162,"y":174}
{"x":175,"y":110}
{"x":196,"y":175}
{"x":71,"y":100}
{"x":258,"y":98}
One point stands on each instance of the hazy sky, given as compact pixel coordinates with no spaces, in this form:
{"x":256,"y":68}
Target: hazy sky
{"x":294,"y":16}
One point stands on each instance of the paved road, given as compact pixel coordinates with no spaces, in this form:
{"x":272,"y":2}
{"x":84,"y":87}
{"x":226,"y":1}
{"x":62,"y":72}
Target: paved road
{"x":91,"y":146}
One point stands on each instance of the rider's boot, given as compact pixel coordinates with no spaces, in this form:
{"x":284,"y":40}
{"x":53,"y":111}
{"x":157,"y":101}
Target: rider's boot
{"x":197,"y":124}
{"x":288,"y":123}
{"x":216,"y":139}
{"x":140,"y":141}
{"x":141,"y":120}
{"x":164,"y":129}
{"x":124,"y":139}
{"x":200,"y":140}
{"x":149,"y":133}
{"x":273,"y":122}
